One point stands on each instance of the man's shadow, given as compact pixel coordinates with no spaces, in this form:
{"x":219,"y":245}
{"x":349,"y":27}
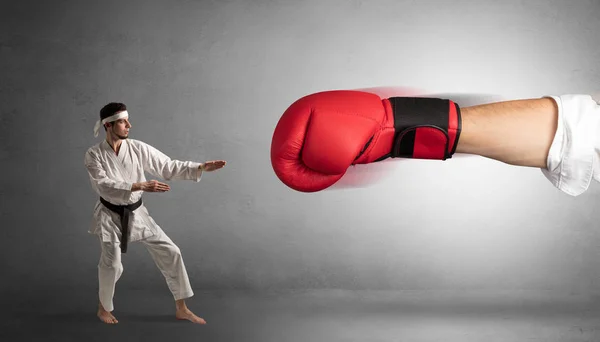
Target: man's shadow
{"x":87,"y":317}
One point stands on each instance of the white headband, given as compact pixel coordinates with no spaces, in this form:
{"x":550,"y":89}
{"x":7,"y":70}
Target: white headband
{"x":112,"y":118}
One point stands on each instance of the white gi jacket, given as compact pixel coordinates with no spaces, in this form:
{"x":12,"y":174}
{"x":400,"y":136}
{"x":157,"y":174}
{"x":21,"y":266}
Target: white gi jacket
{"x":112,"y":177}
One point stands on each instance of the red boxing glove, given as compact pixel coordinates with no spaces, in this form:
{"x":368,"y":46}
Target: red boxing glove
{"x":320,"y":135}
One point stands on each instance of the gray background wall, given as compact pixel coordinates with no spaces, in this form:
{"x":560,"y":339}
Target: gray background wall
{"x":209,"y":80}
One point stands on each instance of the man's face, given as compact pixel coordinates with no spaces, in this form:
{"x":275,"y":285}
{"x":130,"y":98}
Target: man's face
{"x":120,"y":128}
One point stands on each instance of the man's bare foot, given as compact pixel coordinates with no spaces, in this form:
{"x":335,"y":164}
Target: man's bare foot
{"x":184,"y":313}
{"x":187,"y":314}
{"x":106,"y":316}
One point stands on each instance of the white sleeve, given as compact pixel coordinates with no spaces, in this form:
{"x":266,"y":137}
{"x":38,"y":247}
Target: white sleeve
{"x":160,"y":165}
{"x":575,"y":150}
{"x":99,"y":179}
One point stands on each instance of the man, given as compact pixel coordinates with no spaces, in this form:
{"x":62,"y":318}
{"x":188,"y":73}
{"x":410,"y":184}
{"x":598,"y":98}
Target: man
{"x":116,"y":169}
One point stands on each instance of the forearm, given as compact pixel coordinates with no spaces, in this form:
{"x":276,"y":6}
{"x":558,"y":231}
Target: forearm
{"x":517,"y":132}
{"x":179,"y":170}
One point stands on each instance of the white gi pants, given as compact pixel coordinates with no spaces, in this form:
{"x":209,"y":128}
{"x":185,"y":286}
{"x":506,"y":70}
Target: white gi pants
{"x":166,"y":256}
{"x":574,"y":157}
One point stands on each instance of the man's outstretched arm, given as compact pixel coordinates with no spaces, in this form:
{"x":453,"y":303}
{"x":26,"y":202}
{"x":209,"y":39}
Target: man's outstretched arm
{"x":160,"y":165}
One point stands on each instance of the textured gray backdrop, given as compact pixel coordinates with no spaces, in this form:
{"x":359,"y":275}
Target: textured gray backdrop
{"x":209,"y":80}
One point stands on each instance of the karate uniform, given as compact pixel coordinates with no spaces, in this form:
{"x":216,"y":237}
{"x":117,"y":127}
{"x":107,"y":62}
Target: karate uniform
{"x":574,"y":157}
{"x":112,"y":177}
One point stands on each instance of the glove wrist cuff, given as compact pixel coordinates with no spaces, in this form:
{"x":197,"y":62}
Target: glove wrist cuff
{"x":425,"y":128}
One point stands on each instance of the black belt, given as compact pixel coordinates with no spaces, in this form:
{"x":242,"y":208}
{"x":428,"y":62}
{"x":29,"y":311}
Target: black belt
{"x":123,"y":211}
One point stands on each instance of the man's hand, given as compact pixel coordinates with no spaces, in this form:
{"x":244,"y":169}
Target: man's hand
{"x":151,"y":186}
{"x":212,"y":165}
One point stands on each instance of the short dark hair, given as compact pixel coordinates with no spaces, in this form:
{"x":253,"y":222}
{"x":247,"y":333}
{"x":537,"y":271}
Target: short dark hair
{"x":111,"y":109}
